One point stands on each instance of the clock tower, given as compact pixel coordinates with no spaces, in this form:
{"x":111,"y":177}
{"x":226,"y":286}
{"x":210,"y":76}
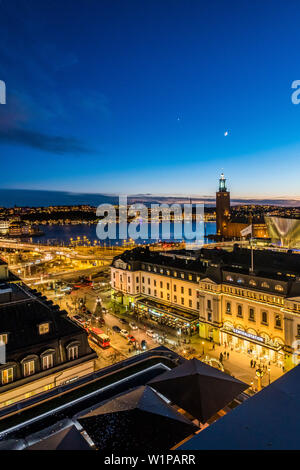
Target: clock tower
{"x":222,"y":207}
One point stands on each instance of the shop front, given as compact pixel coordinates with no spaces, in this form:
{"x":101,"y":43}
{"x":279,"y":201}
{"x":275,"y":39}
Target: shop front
{"x":185,"y":323}
{"x":260,"y":347}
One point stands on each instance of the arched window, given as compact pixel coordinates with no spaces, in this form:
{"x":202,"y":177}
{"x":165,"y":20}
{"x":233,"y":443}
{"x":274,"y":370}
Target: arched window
{"x":240,"y":311}
{"x":252,"y":282}
{"x":279,"y":288}
{"x":30,"y":365}
{"x":265,"y":285}
{"x":47,"y":359}
{"x":73,"y":350}
{"x":229,"y":278}
{"x":228,"y":307}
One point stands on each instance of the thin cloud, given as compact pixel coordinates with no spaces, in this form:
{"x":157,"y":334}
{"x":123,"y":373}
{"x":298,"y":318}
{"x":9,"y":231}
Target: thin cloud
{"x":48,"y":143}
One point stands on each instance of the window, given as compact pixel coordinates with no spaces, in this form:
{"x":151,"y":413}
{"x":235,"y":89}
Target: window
{"x":3,"y":338}
{"x":28,"y":368}
{"x":240,"y":280}
{"x":175,"y":288}
{"x":182,"y":290}
{"x":190,"y":291}
{"x":168,"y":286}
{"x":175,"y":298}
{"x":279,"y":288}
{"x":209,"y":317}
{"x":175,"y":273}
{"x":251,"y":314}
{"x":137,"y":279}
{"x":265,"y":285}
{"x":143,"y":279}
{"x":128,"y":278}
{"x":148,"y":280}
{"x":298,"y":330}
{"x":278,"y":321}
{"x":149,"y":291}
{"x":161,"y":284}
{"x":198,"y":305}
{"x":182,"y":301}
{"x":228,"y":307}
{"x":209,"y":304}
{"x":155,"y":292}
{"x":190,"y":303}
{"x":182,"y":275}
{"x":73,"y":352}
{"x":43,"y":328}
{"x":168,"y":296}
{"x":143,"y":290}
{"x":240,"y":311}
{"x":252,"y":282}
{"x":154,"y":283}
{"x":229,"y":278}
{"x":7,"y":375}
{"x":264,"y":317}
{"x":47,"y":361}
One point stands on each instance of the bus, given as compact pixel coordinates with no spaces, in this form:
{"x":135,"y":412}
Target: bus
{"x":99,"y":337}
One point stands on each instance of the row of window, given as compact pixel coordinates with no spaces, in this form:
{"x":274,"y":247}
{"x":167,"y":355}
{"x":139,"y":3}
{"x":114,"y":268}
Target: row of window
{"x":29,"y":366}
{"x":43,"y":329}
{"x":255,"y":283}
{"x":251,"y":315}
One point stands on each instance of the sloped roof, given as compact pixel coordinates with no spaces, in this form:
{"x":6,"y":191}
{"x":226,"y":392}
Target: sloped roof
{"x":268,"y":420}
{"x":67,"y":439}
{"x":128,"y":421}
{"x":198,"y":388}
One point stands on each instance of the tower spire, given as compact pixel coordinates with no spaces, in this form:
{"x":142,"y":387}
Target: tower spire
{"x":222,"y":183}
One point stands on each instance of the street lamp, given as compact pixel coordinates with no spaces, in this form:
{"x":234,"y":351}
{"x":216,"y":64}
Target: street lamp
{"x":203,"y":347}
{"x":259,"y":375}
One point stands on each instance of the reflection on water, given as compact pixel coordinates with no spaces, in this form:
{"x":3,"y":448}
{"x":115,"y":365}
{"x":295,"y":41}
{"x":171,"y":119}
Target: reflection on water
{"x":63,"y":233}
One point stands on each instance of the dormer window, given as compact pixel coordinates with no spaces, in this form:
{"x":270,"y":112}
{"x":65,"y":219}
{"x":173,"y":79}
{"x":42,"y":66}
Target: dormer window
{"x":229,"y":278}
{"x":279,"y":288}
{"x":252,"y":282}
{"x":44,"y":328}
{"x":3,"y":338}
{"x":265,"y":285}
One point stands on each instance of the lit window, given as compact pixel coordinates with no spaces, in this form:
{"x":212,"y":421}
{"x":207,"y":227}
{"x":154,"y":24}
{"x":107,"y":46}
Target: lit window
{"x":279,"y":288}
{"x":47,"y":361}
{"x":252,"y":282}
{"x":264,"y":317}
{"x":28,"y":368}
{"x":43,"y":328}
{"x":278,"y":321}
{"x":72,"y":352}
{"x":265,"y":285}
{"x":229,"y":278}
{"x":7,"y":376}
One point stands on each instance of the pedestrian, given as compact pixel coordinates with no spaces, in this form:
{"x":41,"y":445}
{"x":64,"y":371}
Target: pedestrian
{"x":254,"y":363}
{"x":221,"y":357}
{"x":228,"y":355}
{"x":251,"y":363}
{"x":213,"y":346}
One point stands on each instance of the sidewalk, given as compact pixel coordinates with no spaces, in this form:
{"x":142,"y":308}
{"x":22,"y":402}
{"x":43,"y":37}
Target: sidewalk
{"x":238,"y":363}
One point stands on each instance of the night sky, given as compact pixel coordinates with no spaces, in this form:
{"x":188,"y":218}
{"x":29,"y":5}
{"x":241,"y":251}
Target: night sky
{"x":134,"y":96}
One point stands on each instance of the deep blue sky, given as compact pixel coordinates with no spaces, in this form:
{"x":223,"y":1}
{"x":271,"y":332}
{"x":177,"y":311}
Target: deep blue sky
{"x":134,"y":96}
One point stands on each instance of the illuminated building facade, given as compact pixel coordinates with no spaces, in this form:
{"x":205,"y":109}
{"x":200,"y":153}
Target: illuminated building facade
{"x":43,"y":347}
{"x":213,"y":293}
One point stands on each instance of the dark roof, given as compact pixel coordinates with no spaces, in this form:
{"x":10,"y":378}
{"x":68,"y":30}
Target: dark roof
{"x":198,"y":388}
{"x":134,"y":421}
{"x":67,"y":439}
{"x":21,"y":316}
{"x":268,"y":420}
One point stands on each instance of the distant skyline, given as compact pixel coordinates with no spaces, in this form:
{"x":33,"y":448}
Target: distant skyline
{"x":151,"y":97}
{"x":36,"y":198}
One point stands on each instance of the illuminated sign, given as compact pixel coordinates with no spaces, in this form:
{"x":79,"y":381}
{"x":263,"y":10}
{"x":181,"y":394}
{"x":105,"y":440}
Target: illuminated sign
{"x":248,"y":335}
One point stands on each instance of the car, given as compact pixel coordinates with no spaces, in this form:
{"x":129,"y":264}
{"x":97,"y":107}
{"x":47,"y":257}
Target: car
{"x":123,"y":320}
{"x":131,"y":339}
{"x":133,"y":326}
{"x":124,"y":333}
{"x":143,"y":344}
{"x":150,"y":333}
{"x":116,"y":329}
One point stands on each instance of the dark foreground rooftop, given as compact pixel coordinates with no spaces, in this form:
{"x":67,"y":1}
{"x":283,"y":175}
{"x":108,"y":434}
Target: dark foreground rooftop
{"x":267,"y":421}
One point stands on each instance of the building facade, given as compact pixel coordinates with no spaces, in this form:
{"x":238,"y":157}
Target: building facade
{"x":214,"y":294}
{"x":43,"y":347}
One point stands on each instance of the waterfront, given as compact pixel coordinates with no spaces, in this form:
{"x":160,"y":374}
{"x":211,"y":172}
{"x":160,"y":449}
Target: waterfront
{"x":63,"y":233}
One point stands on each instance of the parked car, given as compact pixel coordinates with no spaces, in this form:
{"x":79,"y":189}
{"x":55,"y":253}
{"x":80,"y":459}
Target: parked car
{"x":133,"y":326}
{"x":150,"y":333}
{"x":116,"y":329}
{"x":131,"y":339}
{"x":123,"y":320}
{"x":143,"y":344}
{"x":124,"y":333}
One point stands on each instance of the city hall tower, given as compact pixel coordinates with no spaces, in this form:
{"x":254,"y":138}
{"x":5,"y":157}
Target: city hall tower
{"x":222,"y":207}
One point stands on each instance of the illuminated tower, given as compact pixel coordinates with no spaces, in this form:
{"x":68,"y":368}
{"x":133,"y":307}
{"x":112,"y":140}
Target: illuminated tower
{"x":222,"y":207}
